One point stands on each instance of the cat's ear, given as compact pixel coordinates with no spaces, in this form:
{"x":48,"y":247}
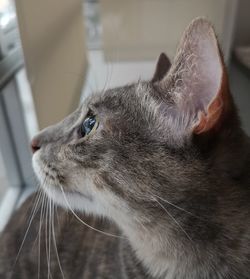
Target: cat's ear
{"x":197,"y":80}
{"x":162,"y":67}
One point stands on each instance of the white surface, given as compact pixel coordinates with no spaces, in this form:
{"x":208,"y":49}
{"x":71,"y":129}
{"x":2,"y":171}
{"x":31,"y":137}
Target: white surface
{"x":242,"y":24}
{"x":159,"y":24}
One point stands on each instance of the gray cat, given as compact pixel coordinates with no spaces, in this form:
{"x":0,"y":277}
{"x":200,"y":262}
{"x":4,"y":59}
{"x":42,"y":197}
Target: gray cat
{"x":166,"y":160}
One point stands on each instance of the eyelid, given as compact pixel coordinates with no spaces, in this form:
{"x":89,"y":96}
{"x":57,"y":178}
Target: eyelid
{"x":88,"y":113}
{"x":91,"y":111}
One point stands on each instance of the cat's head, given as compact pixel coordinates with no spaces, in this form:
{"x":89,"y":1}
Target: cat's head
{"x":123,"y":152}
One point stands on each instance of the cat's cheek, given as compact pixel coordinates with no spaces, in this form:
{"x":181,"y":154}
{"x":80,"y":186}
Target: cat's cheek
{"x":87,"y":198}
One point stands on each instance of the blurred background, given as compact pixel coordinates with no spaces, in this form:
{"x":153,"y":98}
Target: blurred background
{"x":54,"y":53}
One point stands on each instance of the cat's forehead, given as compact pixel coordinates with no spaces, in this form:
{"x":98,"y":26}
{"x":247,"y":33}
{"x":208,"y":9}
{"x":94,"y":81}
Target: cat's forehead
{"x":117,"y":99}
{"x":126,"y":98}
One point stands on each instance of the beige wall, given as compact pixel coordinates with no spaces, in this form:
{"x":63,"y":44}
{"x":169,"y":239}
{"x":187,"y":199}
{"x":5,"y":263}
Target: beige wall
{"x":141,"y":29}
{"x":242,"y":29}
{"x":52,"y":34}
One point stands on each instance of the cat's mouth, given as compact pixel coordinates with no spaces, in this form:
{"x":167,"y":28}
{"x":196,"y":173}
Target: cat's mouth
{"x":47,"y":173}
{"x":54,"y":183}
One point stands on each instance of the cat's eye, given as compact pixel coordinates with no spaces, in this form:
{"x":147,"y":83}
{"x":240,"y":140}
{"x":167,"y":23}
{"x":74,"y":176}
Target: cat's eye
{"x":89,"y":124}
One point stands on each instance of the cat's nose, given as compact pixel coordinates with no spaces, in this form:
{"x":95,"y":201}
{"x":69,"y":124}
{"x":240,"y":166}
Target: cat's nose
{"x":34,"y":145}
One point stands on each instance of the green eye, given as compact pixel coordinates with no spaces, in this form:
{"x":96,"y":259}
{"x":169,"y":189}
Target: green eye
{"x":88,"y":125}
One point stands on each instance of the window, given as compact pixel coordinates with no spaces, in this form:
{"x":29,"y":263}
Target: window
{"x":4,"y":184}
{"x":51,"y":84}
{"x":15,"y":165}
{"x":16,"y":171}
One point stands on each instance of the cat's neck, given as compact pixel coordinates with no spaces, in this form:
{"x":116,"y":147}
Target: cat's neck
{"x":230,"y":159}
{"x":166,"y":254}
{"x":155,"y":252}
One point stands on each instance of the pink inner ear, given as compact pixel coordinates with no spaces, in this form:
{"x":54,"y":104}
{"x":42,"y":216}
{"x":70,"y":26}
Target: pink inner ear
{"x":202,"y":72}
{"x":211,"y":91}
{"x":209,"y":70}
{"x":196,"y":75}
{"x":209,"y":121}
{"x":216,"y":110}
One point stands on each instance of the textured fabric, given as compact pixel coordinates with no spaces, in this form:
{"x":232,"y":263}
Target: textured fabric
{"x":83,"y":253}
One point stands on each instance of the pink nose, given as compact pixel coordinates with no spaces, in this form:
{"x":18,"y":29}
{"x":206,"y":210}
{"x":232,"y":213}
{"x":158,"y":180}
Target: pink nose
{"x":34,"y":145}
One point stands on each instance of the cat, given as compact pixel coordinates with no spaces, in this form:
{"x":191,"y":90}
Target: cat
{"x":165,"y":160}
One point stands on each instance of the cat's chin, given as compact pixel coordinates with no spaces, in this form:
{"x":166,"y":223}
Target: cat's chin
{"x":69,"y":199}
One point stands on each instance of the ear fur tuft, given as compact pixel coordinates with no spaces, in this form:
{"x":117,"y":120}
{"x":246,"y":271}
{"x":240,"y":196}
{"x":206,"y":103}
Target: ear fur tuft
{"x":197,"y":80}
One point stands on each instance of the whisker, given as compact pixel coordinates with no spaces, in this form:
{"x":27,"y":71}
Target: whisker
{"x":39,"y":239}
{"x":46,"y":235}
{"x":41,"y":201}
{"x":177,"y":207}
{"x":172,"y":217}
{"x":27,"y":230}
{"x":57,"y":217}
{"x":54,"y":238}
{"x":87,"y":225}
{"x":35,"y":199}
{"x":50,"y":229}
